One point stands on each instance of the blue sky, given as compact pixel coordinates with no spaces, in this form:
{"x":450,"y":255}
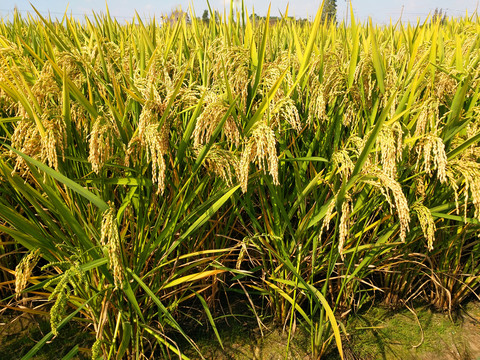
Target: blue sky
{"x":379,"y":10}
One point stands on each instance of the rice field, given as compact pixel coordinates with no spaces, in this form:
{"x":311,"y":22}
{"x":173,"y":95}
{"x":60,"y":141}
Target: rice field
{"x":157,"y":177}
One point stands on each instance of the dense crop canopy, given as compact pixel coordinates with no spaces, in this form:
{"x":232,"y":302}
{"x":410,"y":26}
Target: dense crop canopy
{"x":153,"y":169}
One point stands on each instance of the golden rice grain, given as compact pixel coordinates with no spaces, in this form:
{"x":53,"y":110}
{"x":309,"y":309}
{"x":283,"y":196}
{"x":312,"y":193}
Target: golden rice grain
{"x":111,"y":240}
{"x":102,"y":142}
{"x":261,"y":149}
{"x":426,"y":222}
{"x":24,"y":269}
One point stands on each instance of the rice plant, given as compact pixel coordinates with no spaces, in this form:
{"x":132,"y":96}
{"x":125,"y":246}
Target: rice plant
{"x":151,"y":172}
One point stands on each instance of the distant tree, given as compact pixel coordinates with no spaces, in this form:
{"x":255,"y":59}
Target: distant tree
{"x":439,"y":15}
{"x":217,"y":16}
{"x":272,"y":20}
{"x":205,"y":16}
{"x":329,"y":11}
{"x":176,"y":15}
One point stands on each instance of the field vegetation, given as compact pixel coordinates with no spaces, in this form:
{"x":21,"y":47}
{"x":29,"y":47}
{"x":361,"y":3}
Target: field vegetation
{"x":155,"y":178}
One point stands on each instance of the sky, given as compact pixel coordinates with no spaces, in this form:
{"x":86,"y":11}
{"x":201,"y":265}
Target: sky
{"x":380,"y":11}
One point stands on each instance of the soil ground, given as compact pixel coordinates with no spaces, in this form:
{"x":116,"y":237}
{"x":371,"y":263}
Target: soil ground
{"x":419,"y":334}
{"x":19,"y":333}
